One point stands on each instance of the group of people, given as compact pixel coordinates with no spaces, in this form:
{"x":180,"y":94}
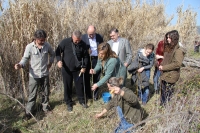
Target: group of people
{"x":89,"y":57}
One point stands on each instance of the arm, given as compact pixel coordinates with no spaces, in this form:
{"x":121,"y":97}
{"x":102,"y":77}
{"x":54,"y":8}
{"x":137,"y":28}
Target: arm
{"x":85,"y":56}
{"x":60,"y":50}
{"x":109,"y":71}
{"x":129,"y":96}
{"x":98,"y":66}
{"x":52,"y":56}
{"x":129,"y":54}
{"x":159,"y":57}
{"x":101,"y":114}
{"x":26,"y":56}
{"x":176,"y":62}
{"x":151,"y":58}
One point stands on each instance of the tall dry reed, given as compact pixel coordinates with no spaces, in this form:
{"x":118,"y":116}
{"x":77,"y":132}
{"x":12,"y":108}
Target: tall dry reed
{"x":139,"y":23}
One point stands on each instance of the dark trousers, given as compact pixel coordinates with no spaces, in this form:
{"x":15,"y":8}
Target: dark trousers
{"x":88,"y":76}
{"x":68,"y":77}
{"x":167,"y":89}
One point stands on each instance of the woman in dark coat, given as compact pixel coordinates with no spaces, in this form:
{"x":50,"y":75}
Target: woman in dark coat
{"x":171,"y":64}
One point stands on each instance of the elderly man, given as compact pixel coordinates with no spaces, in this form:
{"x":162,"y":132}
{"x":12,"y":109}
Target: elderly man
{"x":121,"y":47}
{"x":73,"y":64}
{"x":92,"y":39}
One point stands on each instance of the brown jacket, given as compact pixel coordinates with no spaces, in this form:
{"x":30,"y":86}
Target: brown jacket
{"x":171,"y":64}
{"x":129,"y":104}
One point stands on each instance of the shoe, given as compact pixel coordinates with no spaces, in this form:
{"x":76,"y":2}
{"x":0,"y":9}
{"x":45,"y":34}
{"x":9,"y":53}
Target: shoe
{"x":84,"y":105}
{"x":95,"y":99}
{"x":69,"y":108}
{"x":27,"y":116}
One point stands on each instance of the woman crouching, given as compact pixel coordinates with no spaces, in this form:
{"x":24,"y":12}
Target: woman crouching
{"x":128,"y":107}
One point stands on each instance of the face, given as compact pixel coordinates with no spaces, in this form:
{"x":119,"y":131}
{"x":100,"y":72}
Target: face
{"x":169,"y":40}
{"x":75,"y":39}
{"x":102,"y":54}
{"x":91,"y":33}
{"x":114,"y":36}
{"x":40,"y":41}
{"x":148,"y":52}
{"x":110,"y":87}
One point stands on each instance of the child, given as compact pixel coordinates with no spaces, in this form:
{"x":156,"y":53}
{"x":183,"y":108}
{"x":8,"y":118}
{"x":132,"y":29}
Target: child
{"x":140,"y":69}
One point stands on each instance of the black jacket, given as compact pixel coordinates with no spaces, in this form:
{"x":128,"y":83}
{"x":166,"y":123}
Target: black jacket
{"x":68,"y":58}
{"x":99,"y":39}
{"x":139,"y":78}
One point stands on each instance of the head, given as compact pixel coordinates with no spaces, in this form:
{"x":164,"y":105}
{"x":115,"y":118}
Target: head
{"x":114,"y":82}
{"x":149,"y":48}
{"x":91,"y":31}
{"x":171,"y":40}
{"x":172,"y":37}
{"x":114,"y":34}
{"x":105,"y":51}
{"x":40,"y":37}
{"x":76,"y":36}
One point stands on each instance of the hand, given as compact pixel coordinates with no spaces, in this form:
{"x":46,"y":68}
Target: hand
{"x":92,"y":71}
{"x":94,"y":87}
{"x":98,"y":115}
{"x":118,"y":91}
{"x":18,"y":66}
{"x":126,"y":64}
{"x":82,"y":70}
{"x":101,"y":114}
{"x":60,"y":64}
{"x":89,"y":51}
{"x":159,"y":57}
{"x":160,"y":68}
{"x":140,"y":69}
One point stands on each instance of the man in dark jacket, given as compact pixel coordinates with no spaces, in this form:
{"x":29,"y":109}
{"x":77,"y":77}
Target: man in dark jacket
{"x":92,"y":39}
{"x":73,"y":63}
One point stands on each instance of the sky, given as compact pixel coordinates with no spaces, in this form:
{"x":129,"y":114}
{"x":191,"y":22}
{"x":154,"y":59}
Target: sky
{"x":171,"y":6}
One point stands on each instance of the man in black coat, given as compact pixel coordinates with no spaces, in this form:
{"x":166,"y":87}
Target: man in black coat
{"x":73,"y":62}
{"x":92,"y":39}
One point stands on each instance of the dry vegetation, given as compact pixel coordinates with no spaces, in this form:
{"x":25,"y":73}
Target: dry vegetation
{"x":140,"y":23}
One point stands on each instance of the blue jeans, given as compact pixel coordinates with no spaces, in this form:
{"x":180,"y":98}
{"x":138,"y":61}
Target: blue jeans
{"x":147,"y":71}
{"x":123,"y":125}
{"x":144,"y":94}
{"x":156,"y":77}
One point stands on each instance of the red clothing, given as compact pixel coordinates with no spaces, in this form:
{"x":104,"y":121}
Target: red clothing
{"x":160,"y":51}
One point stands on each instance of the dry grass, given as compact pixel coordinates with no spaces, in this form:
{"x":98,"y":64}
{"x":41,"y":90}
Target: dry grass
{"x":181,"y":114}
{"x":140,"y":23}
